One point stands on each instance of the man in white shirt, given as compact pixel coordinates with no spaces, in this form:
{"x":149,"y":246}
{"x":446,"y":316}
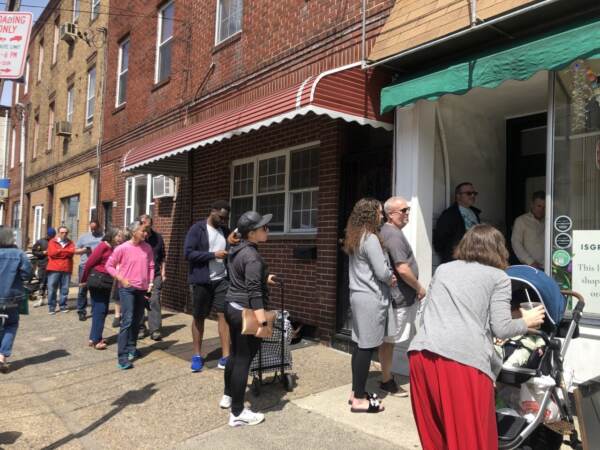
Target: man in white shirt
{"x":528,"y":233}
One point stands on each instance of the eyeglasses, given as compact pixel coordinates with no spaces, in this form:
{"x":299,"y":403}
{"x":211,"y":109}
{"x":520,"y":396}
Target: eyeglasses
{"x":402,"y":210}
{"x":470,"y":193}
{"x":265,"y":227}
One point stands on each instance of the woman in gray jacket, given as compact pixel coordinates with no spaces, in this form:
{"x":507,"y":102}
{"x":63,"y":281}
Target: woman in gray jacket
{"x":452,"y":360}
{"x":370,"y":280}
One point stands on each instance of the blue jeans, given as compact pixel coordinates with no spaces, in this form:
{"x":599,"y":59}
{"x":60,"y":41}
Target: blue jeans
{"x":132,"y":314}
{"x":56,"y":280}
{"x":8,"y":331}
{"x":99,"y":299}
{"x":82,"y":294}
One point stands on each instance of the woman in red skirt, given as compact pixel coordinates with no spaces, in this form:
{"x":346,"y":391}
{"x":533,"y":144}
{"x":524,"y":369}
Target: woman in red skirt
{"x":452,"y":360}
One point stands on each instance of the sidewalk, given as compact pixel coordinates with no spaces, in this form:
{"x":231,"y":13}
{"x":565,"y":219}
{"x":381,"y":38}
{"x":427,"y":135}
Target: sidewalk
{"x":62,"y":394}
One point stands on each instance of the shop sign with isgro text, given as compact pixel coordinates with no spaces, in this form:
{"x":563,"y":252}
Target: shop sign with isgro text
{"x":586,"y":267}
{"x":15,"y":28}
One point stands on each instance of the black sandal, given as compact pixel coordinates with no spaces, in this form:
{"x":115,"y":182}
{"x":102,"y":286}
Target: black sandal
{"x":374,"y":405}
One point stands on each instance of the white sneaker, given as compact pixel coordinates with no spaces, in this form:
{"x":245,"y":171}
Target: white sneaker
{"x":39,"y":303}
{"x":225,"y":402}
{"x":246,"y":417}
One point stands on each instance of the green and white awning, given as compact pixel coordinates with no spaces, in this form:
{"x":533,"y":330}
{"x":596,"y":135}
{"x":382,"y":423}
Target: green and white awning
{"x":551,"y":51}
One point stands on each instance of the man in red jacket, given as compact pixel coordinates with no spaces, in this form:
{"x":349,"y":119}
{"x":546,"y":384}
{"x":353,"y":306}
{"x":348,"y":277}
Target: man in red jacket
{"x":60,"y":265}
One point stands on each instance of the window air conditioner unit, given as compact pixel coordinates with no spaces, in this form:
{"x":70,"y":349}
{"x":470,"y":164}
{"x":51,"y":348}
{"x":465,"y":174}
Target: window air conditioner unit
{"x":163,"y":187}
{"x":62,"y":128}
{"x":68,"y":32}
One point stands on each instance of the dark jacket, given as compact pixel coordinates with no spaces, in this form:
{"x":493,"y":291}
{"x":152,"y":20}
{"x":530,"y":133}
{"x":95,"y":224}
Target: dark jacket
{"x":157,"y":243}
{"x":38,"y":249}
{"x":449,"y":230}
{"x":247,"y":276}
{"x":195,"y":251}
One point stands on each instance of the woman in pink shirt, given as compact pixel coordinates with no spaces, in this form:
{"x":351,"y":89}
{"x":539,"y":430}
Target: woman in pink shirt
{"x":132,"y":265}
{"x":99,"y":283}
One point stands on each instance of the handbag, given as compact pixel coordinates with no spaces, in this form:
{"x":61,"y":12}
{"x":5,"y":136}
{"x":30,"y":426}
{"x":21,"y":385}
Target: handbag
{"x":250,"y":323}
{"x":99,"y":280}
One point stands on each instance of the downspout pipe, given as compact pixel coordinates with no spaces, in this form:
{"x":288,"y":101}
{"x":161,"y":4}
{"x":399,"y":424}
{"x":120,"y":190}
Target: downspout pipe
{"x":363,"y":36}
{"x":466,"y":31}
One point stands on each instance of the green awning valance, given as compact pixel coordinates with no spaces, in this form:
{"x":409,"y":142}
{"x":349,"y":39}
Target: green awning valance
{"x":551,"y":51}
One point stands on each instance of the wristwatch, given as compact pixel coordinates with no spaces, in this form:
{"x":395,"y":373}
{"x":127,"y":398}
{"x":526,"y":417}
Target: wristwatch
{"x":264,"y":324}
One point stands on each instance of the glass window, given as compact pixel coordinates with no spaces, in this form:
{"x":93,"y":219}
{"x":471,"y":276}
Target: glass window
{"x":576,"y":182}
{"x":70,"y":103}
{"x":165,"y":38}
{"x":50,"y":126}
{"x":40,"y":61}
{"x":285,"y":185}
{"x":70,"y":215}
{"x":36,"y":136}
{"x":93,"y":196}
{"x":229,"y":19}
{"x":55,"y":41}
{"x":38,"y":214}
{"x":122,"y":70}
{"x":95,"y":4}
{"x":26,"y":86}
{"x":91,"y":96}
{"x":76,"y":9}
{"x":138,"y":197}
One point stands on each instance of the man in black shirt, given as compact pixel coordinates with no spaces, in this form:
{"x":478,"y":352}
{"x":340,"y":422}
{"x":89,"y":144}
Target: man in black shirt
{"x":158,"y":248}
{"x":40,"y":251}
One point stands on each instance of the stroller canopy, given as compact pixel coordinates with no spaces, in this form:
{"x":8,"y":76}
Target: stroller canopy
{"x":545,"y":288}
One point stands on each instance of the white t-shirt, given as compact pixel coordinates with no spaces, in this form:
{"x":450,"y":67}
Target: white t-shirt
{"x":216,"y":242}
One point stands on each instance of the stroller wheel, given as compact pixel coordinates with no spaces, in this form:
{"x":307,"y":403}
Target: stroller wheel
{"x":288,"y":382}
{"x":255,"y":387}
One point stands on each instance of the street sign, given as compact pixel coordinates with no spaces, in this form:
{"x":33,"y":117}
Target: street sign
{"x":15,"y":28}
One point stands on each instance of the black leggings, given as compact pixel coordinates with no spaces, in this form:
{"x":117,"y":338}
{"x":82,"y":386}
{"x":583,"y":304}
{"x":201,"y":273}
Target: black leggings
{"x":243,"y":349}
{"x":361,"y":361}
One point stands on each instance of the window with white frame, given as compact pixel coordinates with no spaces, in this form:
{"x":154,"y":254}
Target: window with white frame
{"x":285,"y":184}
{"x":122,"y":71}
{"x":40,"y":61}
{"x":26,"y":84}
{"x":229,"y":19}
{"x":38,"y":214}
{"x":36,"y":136}
{"x":50,"y":126}
{"x":55,"y":41}
{"x":76,"y":10}
{"x":13,"y":147}
{"x":69,"y":215}
{"x":93,"y":196}
{"x":138,"y":197}
{"x":91,"y":96}
{"x":163,"y":43}
{"x":70,"y":103}
{"x":95,"y":11}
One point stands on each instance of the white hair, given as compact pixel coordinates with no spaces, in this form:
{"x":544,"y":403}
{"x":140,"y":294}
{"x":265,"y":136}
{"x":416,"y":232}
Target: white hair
{"x":7,"y":237}
{"x":390,"y":202}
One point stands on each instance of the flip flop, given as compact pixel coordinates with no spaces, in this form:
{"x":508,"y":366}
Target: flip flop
{"x":374,"y":406}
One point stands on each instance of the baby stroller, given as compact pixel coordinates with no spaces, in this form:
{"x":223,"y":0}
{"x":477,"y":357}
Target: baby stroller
{"x":516,"y":431}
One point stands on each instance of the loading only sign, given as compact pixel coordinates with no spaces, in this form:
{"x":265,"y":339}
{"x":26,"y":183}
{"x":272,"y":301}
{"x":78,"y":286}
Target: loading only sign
{"x":15,"y":28}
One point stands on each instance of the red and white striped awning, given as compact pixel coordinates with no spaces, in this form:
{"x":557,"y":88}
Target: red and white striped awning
{"x":347,"y":93}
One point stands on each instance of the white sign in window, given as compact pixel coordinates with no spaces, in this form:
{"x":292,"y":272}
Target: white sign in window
{"x":586,"y":268}
{"x":285,"y":184}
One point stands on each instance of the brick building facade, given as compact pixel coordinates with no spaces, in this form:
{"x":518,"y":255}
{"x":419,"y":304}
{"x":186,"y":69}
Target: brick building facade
{"x":214,"y":73}
{"x":59,"y":106}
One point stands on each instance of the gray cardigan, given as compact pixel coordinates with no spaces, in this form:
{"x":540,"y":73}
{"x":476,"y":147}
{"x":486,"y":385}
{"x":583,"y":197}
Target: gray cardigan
{"x":466,"y":304}
{"x":369,"y":271}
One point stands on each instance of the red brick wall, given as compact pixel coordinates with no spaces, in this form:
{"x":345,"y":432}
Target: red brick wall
{"x":310,"y":285}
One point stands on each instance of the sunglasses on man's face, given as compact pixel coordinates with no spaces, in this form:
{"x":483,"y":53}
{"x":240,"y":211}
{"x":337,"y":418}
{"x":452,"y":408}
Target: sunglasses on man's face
{"x":402,"y":210}
{"x":470,"y":193}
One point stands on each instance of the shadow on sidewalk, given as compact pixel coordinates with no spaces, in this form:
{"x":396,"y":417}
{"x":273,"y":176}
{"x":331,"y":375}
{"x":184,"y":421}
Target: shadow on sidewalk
{"x":38,"y":359}
{"x":135,"y":397}
{"x":9,"y":437}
